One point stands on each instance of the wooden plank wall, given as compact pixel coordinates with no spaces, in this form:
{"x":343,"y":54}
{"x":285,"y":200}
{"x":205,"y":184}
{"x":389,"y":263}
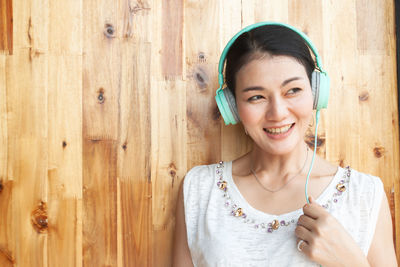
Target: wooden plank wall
{"x":105,"y":105}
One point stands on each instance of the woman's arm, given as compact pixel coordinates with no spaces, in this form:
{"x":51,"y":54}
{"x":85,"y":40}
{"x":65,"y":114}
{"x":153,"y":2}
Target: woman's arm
{"x":381,"y":251}
{"x":181,"y":254}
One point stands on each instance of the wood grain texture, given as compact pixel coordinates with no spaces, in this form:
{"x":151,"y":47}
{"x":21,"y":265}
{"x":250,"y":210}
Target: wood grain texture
{"x":99,"y":203}
{"x":172,"y":35}
{"x":27,"y":154}
{"x":168,"y":163}
{"x":27,"y":91}
{"x":101,"y":70}
{"x":371,"y":18}
{"x":65,"y":134}
{"x":6,"y":27}
{"x":101,"y":113}
{"x":203,"y":125}
{"x":105,"y":106}
{"x":134,"y":166}
{"x":168,"y":131}
{"x":7,"y":235}
{"x":65,"y":157}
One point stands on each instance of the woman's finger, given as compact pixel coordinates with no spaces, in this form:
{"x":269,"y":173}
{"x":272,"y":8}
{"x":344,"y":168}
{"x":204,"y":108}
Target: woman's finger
{"x":307,"y":222}
{"x":313,"y":210}
{"x":302,"y":233}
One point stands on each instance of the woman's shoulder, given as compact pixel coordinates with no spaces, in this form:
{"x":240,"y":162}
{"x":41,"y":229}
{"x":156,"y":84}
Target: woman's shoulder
{"x":365,"y":182}
{"x":201,"y":176}
{"x":204,"y":170}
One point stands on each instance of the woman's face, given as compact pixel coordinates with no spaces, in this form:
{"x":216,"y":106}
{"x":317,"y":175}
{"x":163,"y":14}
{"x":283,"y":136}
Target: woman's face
{"x":274,"y":100}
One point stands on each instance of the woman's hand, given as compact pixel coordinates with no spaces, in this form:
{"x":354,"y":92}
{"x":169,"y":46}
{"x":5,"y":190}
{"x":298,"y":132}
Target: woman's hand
{"x":326,"y":241}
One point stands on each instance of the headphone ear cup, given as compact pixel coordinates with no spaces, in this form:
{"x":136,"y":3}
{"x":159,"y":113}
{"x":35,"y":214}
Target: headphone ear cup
{"x":230,"y":98}
{"x":315,"y":88}
{"x":320,"y":89}
{"x":226,"y":103}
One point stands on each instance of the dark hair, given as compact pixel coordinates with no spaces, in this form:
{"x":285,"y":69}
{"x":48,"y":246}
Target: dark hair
{"x":268,"y":39}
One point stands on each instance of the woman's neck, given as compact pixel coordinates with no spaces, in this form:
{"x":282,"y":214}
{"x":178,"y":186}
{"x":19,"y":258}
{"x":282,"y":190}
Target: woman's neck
{"x":279,"y":165}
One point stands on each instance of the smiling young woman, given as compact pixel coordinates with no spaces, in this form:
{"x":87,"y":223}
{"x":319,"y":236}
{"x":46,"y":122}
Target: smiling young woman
{"x":252,"y":211}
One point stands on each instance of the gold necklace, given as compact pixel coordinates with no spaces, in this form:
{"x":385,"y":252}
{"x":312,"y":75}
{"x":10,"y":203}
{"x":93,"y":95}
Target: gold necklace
{"x":273,"y":191}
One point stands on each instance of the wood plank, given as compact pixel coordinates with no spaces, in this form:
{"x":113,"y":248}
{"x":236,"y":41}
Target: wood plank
{"x":65,"y":159}
{"x":99,"y":203}
{"x":65,"y":134}
{"x":202,"y":54}
{"x":66,"y":38}
{"x":134,"y":137}
{"x":101,"y":116}
{"x":7,"y":237}
{"x":172,"y":31}
{"x":168,"y":126}
{"x":27,"y":156}
{"x":168,"y":162}
{"x":371,"y":20}
{"x":27,"y":133}
{"x":6,"y":27}
{"x":134,"y":167}
{"x":101,"y":70}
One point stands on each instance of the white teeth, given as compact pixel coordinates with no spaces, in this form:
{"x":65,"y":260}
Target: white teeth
{"x":278,"y":130}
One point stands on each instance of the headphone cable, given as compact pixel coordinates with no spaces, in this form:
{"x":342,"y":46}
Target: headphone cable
{"x":313,"y":157}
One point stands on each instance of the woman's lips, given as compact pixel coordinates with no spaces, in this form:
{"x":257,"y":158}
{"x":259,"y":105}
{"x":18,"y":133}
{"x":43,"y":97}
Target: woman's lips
{"x":281,"y":133}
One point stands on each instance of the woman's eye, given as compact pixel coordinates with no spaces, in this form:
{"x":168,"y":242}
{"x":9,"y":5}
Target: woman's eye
{"x":293,"y":91}
{"x":256,"y":97}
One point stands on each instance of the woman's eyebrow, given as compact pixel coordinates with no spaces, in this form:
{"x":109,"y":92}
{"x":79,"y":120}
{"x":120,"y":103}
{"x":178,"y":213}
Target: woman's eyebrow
{"x":253,"y":88}
{"x":260,"y":88}
{"x":290,"y":80}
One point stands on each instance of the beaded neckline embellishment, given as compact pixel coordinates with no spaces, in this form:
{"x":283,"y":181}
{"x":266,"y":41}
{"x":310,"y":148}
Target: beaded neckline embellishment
{"x":273,"y":225}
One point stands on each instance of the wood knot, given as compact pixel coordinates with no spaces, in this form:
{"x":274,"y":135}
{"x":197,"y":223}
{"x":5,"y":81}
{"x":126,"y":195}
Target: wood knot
{"x":202,"y":57}
{"x":379,"y":151}
{"x":138,"y":7}
{"x":100,"y":96}
{"x":172,"y":172}
{"x":201,"y":78}
{"x":39,"y":218}
{"x":172,"y":169}
{"x":124,"y":146}
{"x":64,"y":144}
{"x":109,"y":31}
{"x":363,"y":96}
{"x":1,"y":185}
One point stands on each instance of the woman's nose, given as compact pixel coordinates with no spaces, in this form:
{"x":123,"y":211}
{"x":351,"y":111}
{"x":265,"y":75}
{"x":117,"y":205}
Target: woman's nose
{"x":277,"y":109}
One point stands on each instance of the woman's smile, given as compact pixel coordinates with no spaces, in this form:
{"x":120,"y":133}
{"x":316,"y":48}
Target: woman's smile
{"x":279,"y":133}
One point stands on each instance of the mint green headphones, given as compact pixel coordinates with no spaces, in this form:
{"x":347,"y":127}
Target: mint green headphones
{"x":226,"y":101}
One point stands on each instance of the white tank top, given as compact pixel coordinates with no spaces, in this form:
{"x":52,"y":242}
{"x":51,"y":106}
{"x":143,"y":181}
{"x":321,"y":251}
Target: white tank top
{"x":224,"y":230}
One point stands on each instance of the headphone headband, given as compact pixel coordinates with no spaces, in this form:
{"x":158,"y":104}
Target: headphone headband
{"x":256,"y":25}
